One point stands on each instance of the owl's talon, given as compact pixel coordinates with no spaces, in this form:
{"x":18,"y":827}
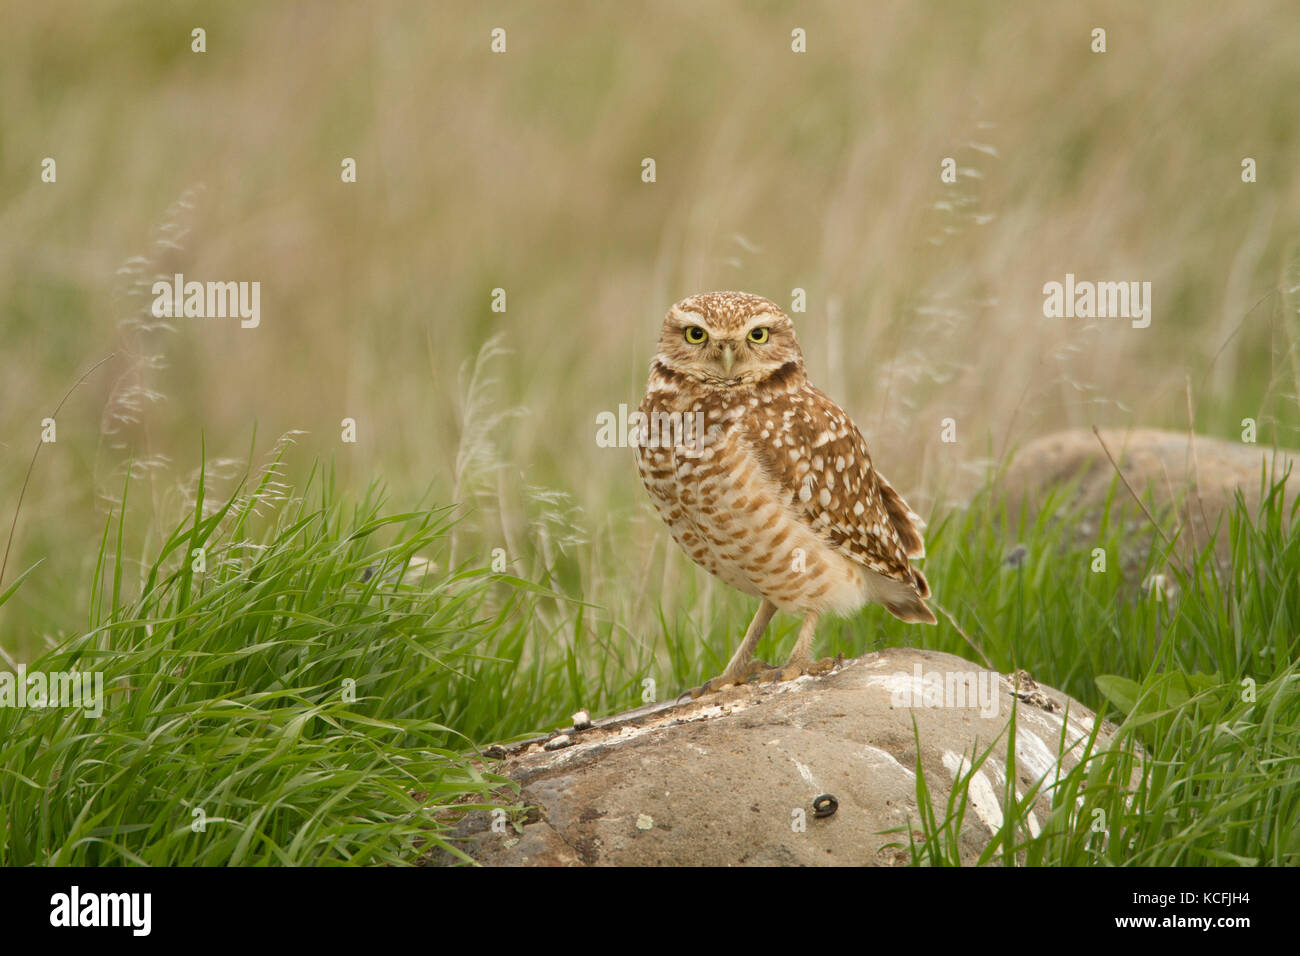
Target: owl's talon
{"x":711,"y":686}
{"x":798,"y":668}
{"x":759,"y":672}
{"x":754,"y":668}
{"x":823,"y":666}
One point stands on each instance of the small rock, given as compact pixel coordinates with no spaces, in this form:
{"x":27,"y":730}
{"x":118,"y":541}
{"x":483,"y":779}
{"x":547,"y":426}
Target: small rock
{"x":645,"y":822}
{"x":1026,"y":689}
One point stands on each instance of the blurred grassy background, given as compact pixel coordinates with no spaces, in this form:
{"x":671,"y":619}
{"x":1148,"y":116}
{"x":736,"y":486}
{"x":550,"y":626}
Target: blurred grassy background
{"x":522,"y":171}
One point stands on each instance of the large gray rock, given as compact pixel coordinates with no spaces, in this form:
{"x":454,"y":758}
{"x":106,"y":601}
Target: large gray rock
{"x":727,"y":779}
{"x":1187,"y":480}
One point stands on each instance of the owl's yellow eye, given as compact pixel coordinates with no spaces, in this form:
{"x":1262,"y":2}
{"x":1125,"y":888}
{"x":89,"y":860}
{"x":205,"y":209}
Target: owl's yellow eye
{"x":758,"y":336}
{"x":695,"y":335}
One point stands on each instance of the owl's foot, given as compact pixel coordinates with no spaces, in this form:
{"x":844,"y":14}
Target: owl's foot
{"x":728,"y":677}
{"x":798,"y":667}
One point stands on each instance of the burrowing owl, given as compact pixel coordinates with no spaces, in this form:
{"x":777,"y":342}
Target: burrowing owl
{"x":778,"y":496}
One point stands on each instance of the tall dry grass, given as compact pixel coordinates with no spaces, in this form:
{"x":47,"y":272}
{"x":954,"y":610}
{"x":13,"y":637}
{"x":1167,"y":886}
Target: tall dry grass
{"x":521,"y":171}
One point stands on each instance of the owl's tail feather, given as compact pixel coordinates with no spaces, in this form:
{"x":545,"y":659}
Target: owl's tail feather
{"x":908,"y":603}
{"x":915,"y":611}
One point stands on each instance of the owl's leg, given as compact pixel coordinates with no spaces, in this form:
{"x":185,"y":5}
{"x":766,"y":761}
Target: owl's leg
{"x":742,"y":664}
{"x":739,"y":663}
{"x":801,"y":661}
{"x":802,"y":652}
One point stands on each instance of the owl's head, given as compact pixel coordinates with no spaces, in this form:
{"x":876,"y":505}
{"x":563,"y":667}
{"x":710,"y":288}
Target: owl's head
{"x":725,"y":339}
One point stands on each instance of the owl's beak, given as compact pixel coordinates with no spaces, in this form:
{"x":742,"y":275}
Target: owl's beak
{"x":728,"y":358}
